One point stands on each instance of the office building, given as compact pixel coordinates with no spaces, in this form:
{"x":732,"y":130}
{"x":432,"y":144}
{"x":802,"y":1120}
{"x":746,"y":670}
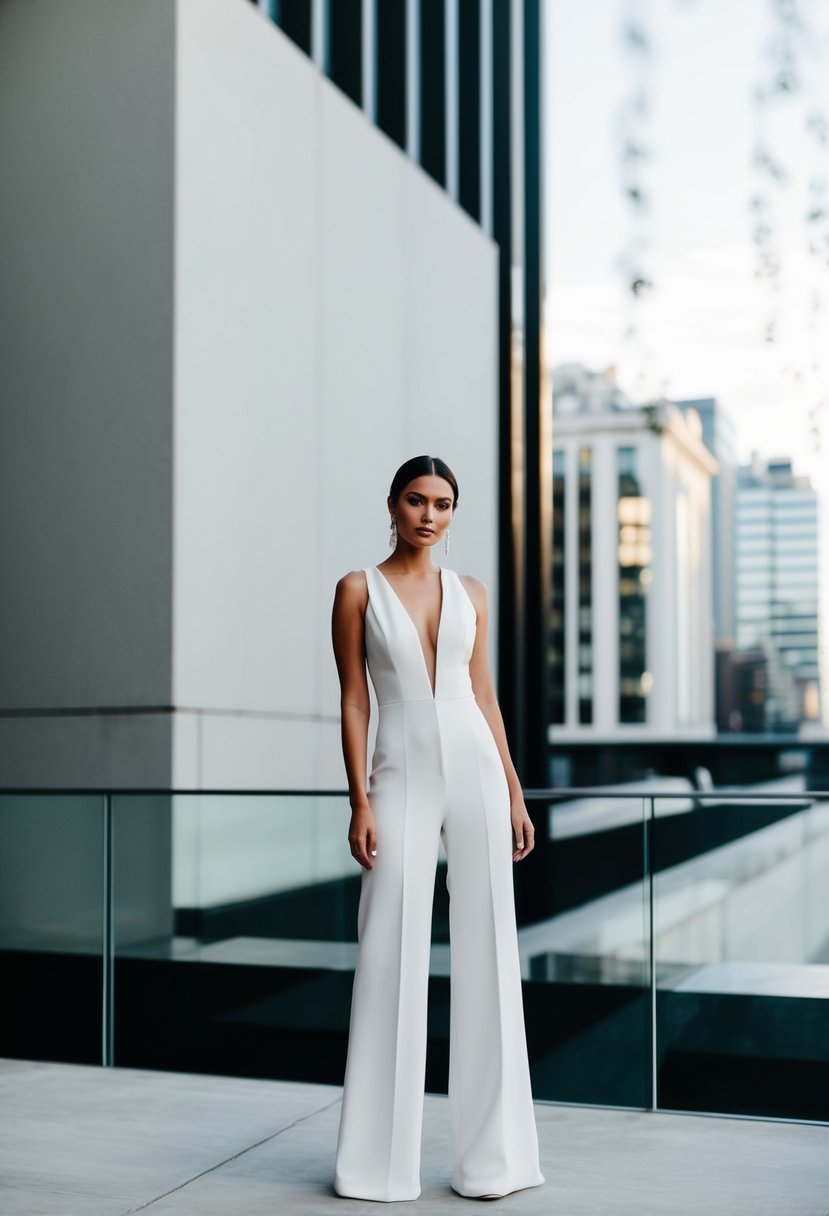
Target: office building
{"x":631,"y":629}
{"x":778,"y":572}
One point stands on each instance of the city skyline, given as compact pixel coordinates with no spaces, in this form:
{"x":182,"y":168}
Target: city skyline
{"x":702,"y":327}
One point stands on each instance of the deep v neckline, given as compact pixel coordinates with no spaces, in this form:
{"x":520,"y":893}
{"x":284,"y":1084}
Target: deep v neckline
{"x":408,"y":616}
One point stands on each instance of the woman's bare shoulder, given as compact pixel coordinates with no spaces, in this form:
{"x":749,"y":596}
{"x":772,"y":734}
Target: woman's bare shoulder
{"x":353,"y":587}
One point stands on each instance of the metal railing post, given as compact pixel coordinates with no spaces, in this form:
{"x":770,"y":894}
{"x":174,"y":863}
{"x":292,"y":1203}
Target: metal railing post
{"x":650,"y":835}
{"x":108,"y":942}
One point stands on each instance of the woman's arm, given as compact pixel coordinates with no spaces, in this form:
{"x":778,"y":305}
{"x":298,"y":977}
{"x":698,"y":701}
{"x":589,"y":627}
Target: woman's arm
{"x":484,"y":689}
{"x":348,"y":638}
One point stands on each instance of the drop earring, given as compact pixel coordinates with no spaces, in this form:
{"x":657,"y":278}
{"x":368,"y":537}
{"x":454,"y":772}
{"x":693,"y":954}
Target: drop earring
{"x":393,"y":534}
{"x":446,"y":541}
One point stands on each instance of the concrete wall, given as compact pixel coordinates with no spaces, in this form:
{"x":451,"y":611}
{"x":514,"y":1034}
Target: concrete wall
{"x":86,"y":292}
{"x":235,"y":308}
{"x":335,"y":314}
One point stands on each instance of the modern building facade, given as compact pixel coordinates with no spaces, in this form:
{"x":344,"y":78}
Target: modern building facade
{"x":240,"y":295}
{"x":719,"y":437}
{"x":457,"y":85}
{"x":262,"y":254}
{"x":736,"y":680}
{"x":778,"y":579}
{"x":631,"y":627}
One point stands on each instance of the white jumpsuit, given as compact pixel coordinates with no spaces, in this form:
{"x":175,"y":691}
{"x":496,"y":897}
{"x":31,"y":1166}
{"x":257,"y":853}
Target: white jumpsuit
{"x":435,"y":771}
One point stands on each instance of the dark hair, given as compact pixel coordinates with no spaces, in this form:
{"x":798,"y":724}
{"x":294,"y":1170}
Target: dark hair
{"x":422,"y":466}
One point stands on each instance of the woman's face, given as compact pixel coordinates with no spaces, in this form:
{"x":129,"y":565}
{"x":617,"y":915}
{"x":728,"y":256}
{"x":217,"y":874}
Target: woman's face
{"x":423,"y":510}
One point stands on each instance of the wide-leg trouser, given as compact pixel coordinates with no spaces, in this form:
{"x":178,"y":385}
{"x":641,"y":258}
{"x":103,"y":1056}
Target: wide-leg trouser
{"x":425,"y":787}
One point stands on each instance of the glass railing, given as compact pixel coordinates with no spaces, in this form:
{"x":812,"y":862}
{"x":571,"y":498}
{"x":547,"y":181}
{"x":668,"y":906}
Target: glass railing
{"x":674,"y":943}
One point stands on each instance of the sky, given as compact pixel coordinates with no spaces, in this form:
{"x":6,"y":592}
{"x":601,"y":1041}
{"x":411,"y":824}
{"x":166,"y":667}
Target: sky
{"x":700,"y":331}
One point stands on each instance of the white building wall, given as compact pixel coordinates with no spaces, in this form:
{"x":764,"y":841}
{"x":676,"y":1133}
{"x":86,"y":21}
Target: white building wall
{"x":571,"y":582}
{"x":360,"y":332}
{"x":683,"y":671}
{"x":238,"y":308}
{"x":86,"y":294}
{"x":605,"y":571}
{"x":689,"y":637}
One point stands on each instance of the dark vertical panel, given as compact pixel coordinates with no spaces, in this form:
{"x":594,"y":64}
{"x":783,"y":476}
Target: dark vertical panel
{"x":345,"y":57}
{"x":508,"y":526}
{"x":585,"y":622}
{"x":469,"y":106}
{"x":634,"y":542}
{"x":433,"y":89}
{"x":558,"y":657}
{"x":536,"y":593}
{"x":294,"y":18}
{"x":391,"y":69}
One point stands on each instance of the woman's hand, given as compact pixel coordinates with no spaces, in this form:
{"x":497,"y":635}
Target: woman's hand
{"x":362,"y":835}
{"x":522,"y":829}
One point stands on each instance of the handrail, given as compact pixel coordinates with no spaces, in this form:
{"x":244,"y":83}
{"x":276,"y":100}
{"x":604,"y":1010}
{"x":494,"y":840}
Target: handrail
{"x":731,"y":791}
{"x":738,"y":792}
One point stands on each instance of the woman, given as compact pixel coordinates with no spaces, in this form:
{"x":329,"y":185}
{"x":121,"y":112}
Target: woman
{"x":441,"y":768}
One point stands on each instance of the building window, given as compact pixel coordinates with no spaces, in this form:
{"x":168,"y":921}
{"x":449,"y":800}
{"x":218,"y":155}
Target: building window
{"x":585,"y":684}
{"x":294,"y":19}
{"x":469,"y":110}
{"x":556,"y":633}
{"x":391,"y":69}
{"x":345,"y":47}
{"x":433,"y":89}
{"x":635,"y":556}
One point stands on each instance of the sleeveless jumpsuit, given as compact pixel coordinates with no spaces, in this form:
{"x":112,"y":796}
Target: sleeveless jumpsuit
{"x":435,"y":771}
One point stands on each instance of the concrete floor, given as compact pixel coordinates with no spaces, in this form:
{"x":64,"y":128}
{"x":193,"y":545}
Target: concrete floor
{"x":85,"y":1141}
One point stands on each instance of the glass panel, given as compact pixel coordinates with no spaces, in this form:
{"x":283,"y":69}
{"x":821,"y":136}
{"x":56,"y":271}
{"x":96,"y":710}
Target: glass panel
{"x":236,"y":939}
{"x":433,"y":89}
{"x":585,"y":952}
{"x":391,"y":69}
{"x":51,"y":929}
{"x":469,"y":106}
{"x":741,"y":942}
{"x":235,"y":932}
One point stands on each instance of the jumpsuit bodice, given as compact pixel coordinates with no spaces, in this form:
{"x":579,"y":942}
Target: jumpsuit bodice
{"x":394,"y":652}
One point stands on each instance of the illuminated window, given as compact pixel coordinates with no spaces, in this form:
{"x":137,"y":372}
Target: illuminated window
{"x":635,"y":556}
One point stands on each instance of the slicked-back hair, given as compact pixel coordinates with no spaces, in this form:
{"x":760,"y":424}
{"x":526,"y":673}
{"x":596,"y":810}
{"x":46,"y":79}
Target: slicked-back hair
{"x":422,"y":466}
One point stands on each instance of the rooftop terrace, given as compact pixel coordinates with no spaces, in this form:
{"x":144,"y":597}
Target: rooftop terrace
{"x":81,"y":1140}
